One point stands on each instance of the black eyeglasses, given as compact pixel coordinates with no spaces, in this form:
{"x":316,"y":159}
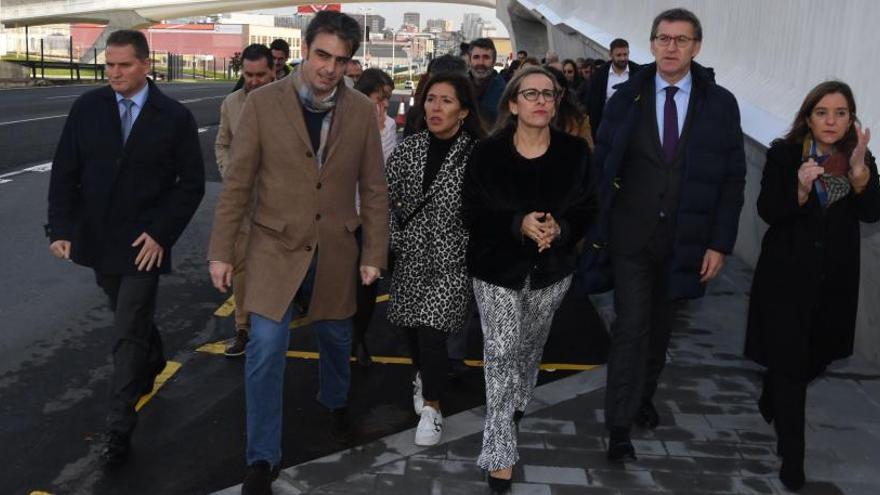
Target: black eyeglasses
{"x":680,"y":41}
{"x":532,"y":94}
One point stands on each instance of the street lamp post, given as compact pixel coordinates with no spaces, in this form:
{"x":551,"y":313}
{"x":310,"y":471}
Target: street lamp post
{"x":393,"y":60}
{"x":366,"y":41}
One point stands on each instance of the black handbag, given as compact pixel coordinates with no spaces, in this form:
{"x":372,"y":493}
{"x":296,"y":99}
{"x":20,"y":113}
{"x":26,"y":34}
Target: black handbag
{"x":401,"y":219}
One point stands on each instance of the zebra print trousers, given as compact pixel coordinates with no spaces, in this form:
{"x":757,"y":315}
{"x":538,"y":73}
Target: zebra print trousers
{"x":515,"y":328}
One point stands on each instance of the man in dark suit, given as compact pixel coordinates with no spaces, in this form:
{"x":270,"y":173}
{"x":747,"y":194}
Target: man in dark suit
{"x":603,"y":80}
{"x":126,"y":179}
{"x":671,"y":148}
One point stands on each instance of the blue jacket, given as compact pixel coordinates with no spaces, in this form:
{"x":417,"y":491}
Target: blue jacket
{"x":490,"y":98}
{"x":713,"y":178}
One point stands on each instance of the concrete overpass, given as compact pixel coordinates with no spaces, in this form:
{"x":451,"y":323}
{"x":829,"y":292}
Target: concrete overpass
{"x":142,"y":13}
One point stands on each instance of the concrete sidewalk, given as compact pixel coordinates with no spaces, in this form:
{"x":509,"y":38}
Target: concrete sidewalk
{"x":711,"y":438}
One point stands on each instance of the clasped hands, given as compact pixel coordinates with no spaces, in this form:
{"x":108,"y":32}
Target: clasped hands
{"x":540,"y":227}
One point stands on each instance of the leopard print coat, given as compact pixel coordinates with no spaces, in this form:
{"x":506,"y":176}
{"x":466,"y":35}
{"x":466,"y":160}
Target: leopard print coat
{"x":429,"y":283}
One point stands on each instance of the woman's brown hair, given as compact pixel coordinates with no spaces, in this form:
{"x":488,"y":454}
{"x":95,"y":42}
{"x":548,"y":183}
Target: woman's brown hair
{"x":799,"y":128}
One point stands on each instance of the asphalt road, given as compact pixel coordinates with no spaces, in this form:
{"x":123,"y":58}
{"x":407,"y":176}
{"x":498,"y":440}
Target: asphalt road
{"x":56,"y":337}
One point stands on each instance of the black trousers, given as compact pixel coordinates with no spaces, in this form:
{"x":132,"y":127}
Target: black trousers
{"x":428,"y":349}
{"x":788,"y":398}
{"x":640,"y":334}
{"x":366,"y":303}
{"x":137,"y":353}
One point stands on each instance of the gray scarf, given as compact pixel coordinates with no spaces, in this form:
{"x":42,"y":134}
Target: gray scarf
{"x":314,"y":105}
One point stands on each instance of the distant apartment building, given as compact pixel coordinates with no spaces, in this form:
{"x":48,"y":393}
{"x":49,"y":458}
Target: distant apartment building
{"x":437,"y":26}
{"x":412,"y":19}
{"x":471,"y":25}
{"x":447,"y":42}
{"x":375,"y":22}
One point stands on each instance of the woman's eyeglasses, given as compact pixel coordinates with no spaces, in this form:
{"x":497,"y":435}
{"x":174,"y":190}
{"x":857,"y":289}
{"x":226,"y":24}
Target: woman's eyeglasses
{"x":533,"y":94}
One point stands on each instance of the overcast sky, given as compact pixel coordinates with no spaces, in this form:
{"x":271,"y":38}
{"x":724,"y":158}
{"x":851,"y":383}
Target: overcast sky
{"x":393,"y":12}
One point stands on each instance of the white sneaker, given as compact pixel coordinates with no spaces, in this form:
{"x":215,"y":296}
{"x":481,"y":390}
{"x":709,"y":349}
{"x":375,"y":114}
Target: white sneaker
{"x":430,"y":427}
{"x":418,"y":400}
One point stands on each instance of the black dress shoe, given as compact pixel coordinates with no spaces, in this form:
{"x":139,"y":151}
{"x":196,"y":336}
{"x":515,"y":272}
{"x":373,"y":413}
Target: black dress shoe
{"x":498,"y":485}
{"x":116,"y":448}
{"x":620,"y":448}
{"x":340,"y":426}
{"x":647,"y":416}
{"x":258,"y":479}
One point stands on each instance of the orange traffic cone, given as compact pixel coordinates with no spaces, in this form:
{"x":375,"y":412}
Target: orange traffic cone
{"x":400,"y":120}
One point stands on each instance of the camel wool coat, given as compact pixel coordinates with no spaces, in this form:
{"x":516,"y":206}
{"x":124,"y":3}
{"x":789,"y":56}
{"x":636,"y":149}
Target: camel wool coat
{"x":300,"y":209}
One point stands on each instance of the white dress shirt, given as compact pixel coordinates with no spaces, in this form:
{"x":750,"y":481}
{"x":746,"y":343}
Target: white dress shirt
{"x":682,"y":98}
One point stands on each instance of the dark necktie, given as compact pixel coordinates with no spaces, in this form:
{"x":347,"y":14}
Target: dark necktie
{"x":126,"y":119}
{"x":670,"y":125}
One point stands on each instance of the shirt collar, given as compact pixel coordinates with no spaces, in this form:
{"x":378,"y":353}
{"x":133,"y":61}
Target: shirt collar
{"x":139,"y":98}
{"x":611,"y":70}
{"x":684,"y":85}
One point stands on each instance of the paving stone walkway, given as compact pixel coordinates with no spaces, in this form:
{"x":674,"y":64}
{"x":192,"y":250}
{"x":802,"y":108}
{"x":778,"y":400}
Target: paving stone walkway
{"x":711,"y":439}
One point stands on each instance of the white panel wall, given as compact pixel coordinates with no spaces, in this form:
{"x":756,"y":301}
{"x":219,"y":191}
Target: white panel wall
{"x":769,"y":53}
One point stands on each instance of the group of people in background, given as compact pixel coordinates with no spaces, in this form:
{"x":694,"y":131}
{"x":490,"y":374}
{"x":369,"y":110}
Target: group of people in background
{"x":502,"y":187}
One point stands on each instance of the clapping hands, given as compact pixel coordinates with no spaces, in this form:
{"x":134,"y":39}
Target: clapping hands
{"x":858,"y":171}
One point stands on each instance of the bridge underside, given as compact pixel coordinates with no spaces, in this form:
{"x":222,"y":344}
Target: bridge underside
{"x":146,"y":12}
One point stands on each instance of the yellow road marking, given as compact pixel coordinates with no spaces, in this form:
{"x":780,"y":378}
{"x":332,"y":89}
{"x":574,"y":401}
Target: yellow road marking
{"x":37,"y":492}
{"x":217,"y":348}
{"x":170,"y":369}
{"x":228,"y":306}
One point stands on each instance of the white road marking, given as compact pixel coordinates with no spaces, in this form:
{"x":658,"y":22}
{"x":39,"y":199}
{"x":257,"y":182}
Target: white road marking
{"x":11,"y":122}
{"x":194,"y":100}
{"x":41,"y":168}
{"x":61,"y":97}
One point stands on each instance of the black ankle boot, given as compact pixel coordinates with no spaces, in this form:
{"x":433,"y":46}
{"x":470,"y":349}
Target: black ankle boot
{"x":792,"y":475}
{"x":765,"y":402}
{"x":498,"y":485}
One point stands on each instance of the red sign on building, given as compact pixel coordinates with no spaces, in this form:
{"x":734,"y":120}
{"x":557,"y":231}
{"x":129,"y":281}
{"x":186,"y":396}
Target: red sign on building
{"x":315,"y":8}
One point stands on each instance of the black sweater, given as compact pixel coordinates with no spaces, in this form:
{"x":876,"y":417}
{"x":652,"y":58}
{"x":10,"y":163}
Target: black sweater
{"x":501,"y":187}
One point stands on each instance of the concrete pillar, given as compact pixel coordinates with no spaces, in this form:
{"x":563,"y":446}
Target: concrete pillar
{"x":118,"y":20}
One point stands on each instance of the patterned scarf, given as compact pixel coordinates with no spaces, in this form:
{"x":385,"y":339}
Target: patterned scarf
{"x":312,"y":104}
{"x":833,"y":184}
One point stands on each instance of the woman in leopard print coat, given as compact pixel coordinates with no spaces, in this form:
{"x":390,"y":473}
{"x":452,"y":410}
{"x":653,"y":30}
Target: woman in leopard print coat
{"x":430,"y":288}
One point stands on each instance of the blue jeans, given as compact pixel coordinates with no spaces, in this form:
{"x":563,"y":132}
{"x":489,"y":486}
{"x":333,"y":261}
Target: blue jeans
{"x":266,"y":357}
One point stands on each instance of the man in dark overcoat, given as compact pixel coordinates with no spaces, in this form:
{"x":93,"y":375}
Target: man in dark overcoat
{"x":671,"y":150}
{"x":127,"y":178}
